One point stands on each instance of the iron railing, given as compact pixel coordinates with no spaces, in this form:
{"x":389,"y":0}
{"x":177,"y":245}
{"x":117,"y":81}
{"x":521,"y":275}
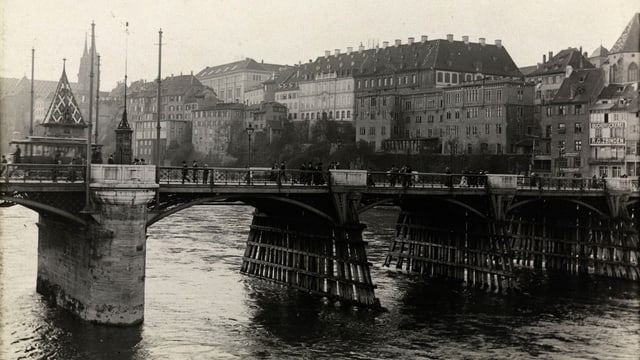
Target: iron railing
{"x":44,"y":173}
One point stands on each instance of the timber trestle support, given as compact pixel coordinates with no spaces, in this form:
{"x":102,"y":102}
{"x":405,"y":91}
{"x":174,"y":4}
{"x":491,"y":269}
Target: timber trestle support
{"x":301,"y":252}
{"x":554,"y":236}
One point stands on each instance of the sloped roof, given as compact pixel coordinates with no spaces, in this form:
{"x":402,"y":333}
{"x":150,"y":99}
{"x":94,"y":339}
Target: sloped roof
{"x":560,"y":61}
{"x":64,"y":110}
{"x":526,"y":70}
{"x":583,"y":85}
{"x":629,"y":40}
{"x":600,"y":51}
{"x":616,"y":91}
{"x":7,"y":85}
{"x":242,"y":65}
{"x":435,"y":54}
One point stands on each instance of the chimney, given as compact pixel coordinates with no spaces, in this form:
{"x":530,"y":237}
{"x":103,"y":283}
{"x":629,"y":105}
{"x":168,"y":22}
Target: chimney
{"x":327,"y":53}
{"x":550,"y":55}
{"x":585,"y":54}
{"x":398,"y":42}
{"x":410,"y":41}
{"x":424,"y":38}
{"x":580,"y":49}
{"x":337,"y":52}
{"x":385,"y":44}
{"x":499,"y":43}
{"x":450,"y":37}
{"x":349,"y":50}
{"x":482,"y":41}
{"x":465,"y":38}
{"x":544,"y":58}
{"x":360,"y":48}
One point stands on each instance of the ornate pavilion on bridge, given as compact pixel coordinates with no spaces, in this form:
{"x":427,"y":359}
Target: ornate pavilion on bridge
{"x":64,"y":136}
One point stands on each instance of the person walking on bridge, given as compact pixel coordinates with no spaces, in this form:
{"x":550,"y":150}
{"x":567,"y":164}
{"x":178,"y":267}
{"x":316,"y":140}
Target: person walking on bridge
{"x":195,"y":172}
{"x":185,"y":171}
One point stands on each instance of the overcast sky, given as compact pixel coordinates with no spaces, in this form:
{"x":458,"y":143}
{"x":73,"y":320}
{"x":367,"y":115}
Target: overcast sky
{"x":199,"y":33}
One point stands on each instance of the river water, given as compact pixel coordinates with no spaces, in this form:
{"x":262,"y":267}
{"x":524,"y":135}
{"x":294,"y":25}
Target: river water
{"x":198,"y":306}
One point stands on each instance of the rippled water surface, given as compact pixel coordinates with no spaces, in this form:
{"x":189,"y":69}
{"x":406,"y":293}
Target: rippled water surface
{"x":198,"y":306}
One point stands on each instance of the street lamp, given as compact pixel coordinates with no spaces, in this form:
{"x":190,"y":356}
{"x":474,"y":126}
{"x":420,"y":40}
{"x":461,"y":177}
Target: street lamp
{"x":250,"y":131}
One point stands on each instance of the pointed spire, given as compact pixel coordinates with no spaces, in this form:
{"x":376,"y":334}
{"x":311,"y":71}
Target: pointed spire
{"x":85,"y":53}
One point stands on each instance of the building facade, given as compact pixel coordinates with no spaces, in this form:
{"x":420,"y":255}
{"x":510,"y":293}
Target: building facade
{"x":231,"y":81}
{"x":614,"y":125}
{"x":179,"y":97}
{"x":564,"y":145}
{"x":399,"y":96}
{"x":213,"y":129}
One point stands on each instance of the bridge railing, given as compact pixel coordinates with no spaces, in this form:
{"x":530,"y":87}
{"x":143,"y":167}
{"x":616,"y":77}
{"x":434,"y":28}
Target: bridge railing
{"x":254,"y":176}
{"x":43,"y":173}
{"x":123,"y":174}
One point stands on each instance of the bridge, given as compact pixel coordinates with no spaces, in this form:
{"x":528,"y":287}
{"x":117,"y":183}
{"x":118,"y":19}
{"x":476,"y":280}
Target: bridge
{"x":482,"y":230}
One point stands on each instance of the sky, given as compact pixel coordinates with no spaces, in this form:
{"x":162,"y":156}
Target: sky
{"x":200,"y":33}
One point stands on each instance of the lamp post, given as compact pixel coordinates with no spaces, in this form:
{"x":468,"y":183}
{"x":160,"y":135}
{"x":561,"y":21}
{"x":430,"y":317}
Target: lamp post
{"x":250,"y":131}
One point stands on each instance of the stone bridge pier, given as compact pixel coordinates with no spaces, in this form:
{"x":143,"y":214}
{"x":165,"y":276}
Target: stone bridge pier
{"x":97,"y":269}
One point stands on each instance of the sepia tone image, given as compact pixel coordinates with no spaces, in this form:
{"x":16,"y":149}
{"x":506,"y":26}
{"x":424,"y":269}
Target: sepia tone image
{"x":191,"y":179}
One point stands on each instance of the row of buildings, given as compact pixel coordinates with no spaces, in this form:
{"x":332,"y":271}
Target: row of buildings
{"x":571,"y":113}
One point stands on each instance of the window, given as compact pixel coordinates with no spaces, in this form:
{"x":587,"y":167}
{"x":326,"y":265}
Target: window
{"x":487,"y":95}
{"x":519,"y":95}
{"x":499,"y":148}
{"x":498,"y":129}
{"x":383,"y":130}
{"x":447,"y":77}
{"x":439,"y":77}
{"x":487,"y":112}
{"x":487,"y":129}
{"x":548,"y":110}
{"x":363,"y":130}
{"x":372,"y":130}
{"x":499,"y":111}
{"x":577,"y":128}
{"x":499,"y":95}
{"x":454,"y":78}
{"x":457,"y":114}
{"x":448,"y":115}
{"x":418,"y":119}
{"x":577,"y":145}
{"x":413,"y":78}
{"x":562,"y":110}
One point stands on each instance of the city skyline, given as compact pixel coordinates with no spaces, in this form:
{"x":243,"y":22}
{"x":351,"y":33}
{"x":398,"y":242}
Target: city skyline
{"x":280,"y":32}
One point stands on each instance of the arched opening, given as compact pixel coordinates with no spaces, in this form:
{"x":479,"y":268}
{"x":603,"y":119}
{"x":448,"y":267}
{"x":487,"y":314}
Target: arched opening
{"x":632,"y":72}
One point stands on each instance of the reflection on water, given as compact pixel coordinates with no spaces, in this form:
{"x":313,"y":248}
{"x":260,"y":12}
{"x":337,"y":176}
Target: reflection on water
{"x":199,"y":307}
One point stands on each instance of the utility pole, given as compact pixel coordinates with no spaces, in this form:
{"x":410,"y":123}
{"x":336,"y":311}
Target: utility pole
{"x":157,"y":157}
{"x":87,"y":176}
{"x":97,"y":101}
{"x":33,"y":51}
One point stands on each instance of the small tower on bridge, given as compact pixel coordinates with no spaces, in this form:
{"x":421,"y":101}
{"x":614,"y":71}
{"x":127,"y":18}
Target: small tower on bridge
{"x":124,"y":135}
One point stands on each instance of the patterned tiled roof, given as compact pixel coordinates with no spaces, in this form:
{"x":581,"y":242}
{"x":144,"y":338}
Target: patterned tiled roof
{"x":64,"y":110}
{"x":629,"y":40}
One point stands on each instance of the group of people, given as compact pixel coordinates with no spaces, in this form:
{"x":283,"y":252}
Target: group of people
{"x":397,"y":175}
{"x":311,"y":174}
{"x":194,"y":173}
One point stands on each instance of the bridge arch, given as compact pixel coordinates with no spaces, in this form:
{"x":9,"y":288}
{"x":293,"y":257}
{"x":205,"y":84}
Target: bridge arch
{"x":243,"y":198}
{"x":578,"y":202}
{"x":452,"y":201}
{"x":40,"y":207}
